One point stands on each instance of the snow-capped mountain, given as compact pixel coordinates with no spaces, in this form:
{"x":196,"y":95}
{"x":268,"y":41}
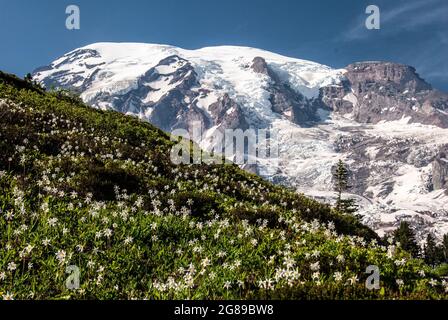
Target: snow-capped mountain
{"x":387,"y":123}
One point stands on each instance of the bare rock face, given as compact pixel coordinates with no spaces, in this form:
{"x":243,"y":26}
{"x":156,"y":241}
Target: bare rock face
{"x":284,"y":100}
{"x":381,"y":91}
{"x":333,"y":97}
{"x":228,"y":114}
{"x":59,"y":79}
{"x":164,"y":99}
{"x":440,"y":170}
{"x":259,"y":65}
{"x":172,"y":110}
{"x":398,"y":76}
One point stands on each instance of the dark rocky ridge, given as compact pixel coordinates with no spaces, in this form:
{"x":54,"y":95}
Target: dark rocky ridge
{"x":58,"y":80}
{"x":385,"y":92}
{"x":440,"y":170}
{"x":284,"y":100}
{"x":228,"y":114}
{"x":385,"y":73}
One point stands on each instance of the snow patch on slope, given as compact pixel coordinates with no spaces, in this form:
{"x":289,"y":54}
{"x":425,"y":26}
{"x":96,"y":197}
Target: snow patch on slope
{"x":222,"y":68}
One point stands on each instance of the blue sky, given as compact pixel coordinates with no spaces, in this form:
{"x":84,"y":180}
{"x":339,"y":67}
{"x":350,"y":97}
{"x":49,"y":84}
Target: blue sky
{"x":415,"y":32}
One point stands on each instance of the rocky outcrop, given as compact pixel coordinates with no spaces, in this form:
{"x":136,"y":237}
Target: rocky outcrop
{"x":68,"y":79}
{"x":227,"y":114}
{"x":259,"y":65}
{"x":395,"y":76}
{"x":381,"y":91}
{"x":440,"y":170}
{"x":163,"y":98}
{"x":284,"y":100}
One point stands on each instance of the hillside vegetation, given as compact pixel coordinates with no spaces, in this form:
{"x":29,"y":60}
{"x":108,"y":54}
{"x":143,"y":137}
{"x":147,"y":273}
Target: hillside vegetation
{"x":97,"y":190}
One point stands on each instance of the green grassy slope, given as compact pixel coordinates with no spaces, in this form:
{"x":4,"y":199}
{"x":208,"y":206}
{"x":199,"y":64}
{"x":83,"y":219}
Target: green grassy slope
{"x":98,"y":190}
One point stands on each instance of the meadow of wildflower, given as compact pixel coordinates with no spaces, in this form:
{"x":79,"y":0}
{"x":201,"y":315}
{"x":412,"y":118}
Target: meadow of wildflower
{"x":97,"y":190}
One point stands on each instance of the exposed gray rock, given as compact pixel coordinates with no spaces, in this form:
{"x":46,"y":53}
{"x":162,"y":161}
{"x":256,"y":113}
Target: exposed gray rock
{"x":440,"y":170}
{"x":284,"y":100}
{"x":171,"y":111}
{"x":387,"y":91}
{"x":227,"y":114}
{"x":397,"y":76}
{"x":68,"y":79}
{"x":259,"y":65}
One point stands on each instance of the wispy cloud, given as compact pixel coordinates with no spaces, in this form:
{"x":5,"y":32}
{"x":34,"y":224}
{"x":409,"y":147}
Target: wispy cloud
{"x":430,"y":60}
{"x":421,"y":24}
{"x":407,"y":9}
{"x":405,"y":17}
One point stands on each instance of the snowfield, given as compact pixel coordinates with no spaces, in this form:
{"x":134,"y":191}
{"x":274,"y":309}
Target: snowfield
{"x":222,"y":68}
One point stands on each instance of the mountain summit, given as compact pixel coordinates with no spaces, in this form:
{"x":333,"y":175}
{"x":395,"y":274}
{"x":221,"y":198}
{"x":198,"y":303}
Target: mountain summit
{"x":381,"y":118}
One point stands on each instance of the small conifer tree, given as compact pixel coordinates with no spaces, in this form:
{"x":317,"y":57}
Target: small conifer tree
{"x":406,"y":237}
{"x":341,"y":185}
